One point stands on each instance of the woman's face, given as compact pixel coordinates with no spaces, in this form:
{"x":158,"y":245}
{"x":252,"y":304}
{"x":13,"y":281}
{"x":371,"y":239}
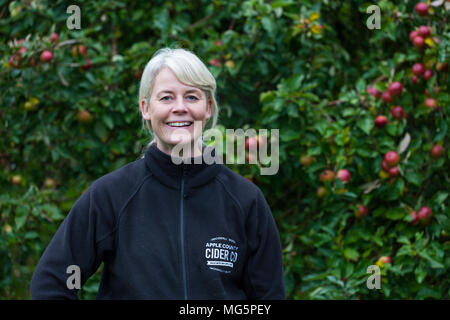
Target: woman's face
{"x":172,"y":110}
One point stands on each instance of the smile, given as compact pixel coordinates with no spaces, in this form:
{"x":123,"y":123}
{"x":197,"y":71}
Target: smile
{"x":179,"y":123}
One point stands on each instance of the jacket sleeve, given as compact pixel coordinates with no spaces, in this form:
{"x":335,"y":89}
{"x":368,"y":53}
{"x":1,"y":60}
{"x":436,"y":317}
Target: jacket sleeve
{"x":264,"y":269}
{"x":82,"y":240}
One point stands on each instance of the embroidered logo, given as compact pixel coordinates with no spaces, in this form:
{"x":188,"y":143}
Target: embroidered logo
{"x":221,"y":254}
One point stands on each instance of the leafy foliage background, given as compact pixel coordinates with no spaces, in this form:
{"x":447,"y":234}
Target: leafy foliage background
{"x":300,"y":66}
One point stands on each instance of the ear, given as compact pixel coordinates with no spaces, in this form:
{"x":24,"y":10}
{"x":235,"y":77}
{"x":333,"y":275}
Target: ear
{"x":145,"y":110}
{"x":208,"y":110}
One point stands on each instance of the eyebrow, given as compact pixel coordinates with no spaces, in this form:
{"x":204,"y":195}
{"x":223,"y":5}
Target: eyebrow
{"x":171,"y":92}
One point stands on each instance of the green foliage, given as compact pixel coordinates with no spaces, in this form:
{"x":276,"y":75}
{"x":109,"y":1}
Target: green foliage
{"x":302,"y":68}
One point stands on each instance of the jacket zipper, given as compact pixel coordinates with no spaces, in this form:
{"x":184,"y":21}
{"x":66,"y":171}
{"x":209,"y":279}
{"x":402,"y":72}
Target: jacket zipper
{"x":183,"y":261}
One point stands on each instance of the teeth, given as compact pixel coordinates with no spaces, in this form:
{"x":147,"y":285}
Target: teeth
{"x":179,"y":124}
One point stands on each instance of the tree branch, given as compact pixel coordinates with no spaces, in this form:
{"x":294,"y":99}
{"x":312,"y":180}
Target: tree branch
{"x":199,"y":22}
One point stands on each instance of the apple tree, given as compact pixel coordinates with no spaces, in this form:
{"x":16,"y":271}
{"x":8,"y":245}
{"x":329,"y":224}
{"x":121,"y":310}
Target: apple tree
{"x":362,"y":115}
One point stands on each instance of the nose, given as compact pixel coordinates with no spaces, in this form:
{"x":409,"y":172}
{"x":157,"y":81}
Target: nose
{"x":179,"y":107}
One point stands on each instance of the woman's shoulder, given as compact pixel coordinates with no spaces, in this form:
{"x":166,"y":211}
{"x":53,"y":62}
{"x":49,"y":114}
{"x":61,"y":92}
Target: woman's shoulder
{"x":122,"y":179}
{"x":241,"y":187}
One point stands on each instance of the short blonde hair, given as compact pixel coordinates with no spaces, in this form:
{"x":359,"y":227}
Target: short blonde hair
{"x":188,"y":68}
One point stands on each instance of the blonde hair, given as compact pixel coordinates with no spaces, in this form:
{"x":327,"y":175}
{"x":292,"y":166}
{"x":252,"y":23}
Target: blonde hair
{"x":188,"y":68}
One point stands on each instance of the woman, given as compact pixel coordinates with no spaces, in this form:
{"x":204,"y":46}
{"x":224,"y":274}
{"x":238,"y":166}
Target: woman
{"x":168,"y":231}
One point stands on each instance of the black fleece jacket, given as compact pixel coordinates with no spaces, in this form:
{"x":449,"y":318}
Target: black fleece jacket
{"x":166,"y":231}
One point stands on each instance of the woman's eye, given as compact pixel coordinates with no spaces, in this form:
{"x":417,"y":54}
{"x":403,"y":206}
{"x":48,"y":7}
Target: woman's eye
{"x":192,"y":98}
{"x":166,"y":98}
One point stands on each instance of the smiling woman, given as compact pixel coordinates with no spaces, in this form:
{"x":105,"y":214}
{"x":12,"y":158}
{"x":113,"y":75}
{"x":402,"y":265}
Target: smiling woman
{"x":176,"y":92}
{"x":163,"y":230}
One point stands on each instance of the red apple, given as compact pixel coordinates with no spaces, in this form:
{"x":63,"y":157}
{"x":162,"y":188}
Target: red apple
{"x":424,"y":31}
{"x":424,"y":214}
{"x":397,"y":112}
{"x":421,"y":9}
{"x":46,"y":56}
{"x":84,"y":116}
{"x":395,"y":88}
{"x":435,"y":90}
{"x":87,"y":64}
{"x":54,"y":37}
{"x":215,"y":62}
{"x":82,"y":49}
{"x":381,"y":121}
{"x":386,"y":97}
{"x":418,"y":69}
{"x":327,"y":175}
{"x":392,"y":159}
{"x":344,"y":175}
{"x":251,"y":142}
{"x":385,"y":259}
{"x":415,"y":219}
{"x":16,"y":179}
{"x":384,"y":166}
{"x":431,"y":103}
{"x":414,"y":79}
{"x":418,"y":42}
{"x":14,"y":61}
{"x":321,"y":192}
{"x":442,"y":66}
{"x":413,"y":34}
{"x":394,"y":172}
{"x":437,"y":151}
{"x":306,"y":160}
{"x":49,"y":183}
{"x":362,"y":211}
{"x":22,"y":51}
{"x":373,"y":92}
{"x":31,"y":62}
{"x":427,"y":74}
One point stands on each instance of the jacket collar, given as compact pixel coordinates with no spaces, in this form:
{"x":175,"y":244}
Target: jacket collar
{"x":170,"y":174}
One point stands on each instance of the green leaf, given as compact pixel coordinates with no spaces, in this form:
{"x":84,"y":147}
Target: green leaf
{"x":278,"y":104}
{"x":441,"y":131}
{"x":351,"y":254}
{"x":426,"y":292}
{"x":414,"y":177}
{"x":91,"y":78}
{"x":310,"y":96}
{"x":433,"y":263}
{"x":391,"y":128}
{"x":365,"y":153}
{"x":289,"y":135}
{"x":314,"y":276}
{"x":403,"y":239}
{"x":405,"y":250}
{"x":321,"y":126}
{"x":366,"y":125}
{"x":101,"y":131}
{"x":267,"y":24}
{"x":31,"y":235}
{"x":395,"y":189}
{"x":267,"y":96}
{"x":420,"y":273}
{"x":439,"y":198}
{"x":396,"y":213}
{"x":52,"y":212}
{"x":107,"y":119}
{"x":349,"y":112}
{"x":350,"y":195}
{"x":20,"y":221}
{"x":361,"y":85}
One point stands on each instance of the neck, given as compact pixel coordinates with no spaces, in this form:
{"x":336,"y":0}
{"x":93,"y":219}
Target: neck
{"x":188,"y":150}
